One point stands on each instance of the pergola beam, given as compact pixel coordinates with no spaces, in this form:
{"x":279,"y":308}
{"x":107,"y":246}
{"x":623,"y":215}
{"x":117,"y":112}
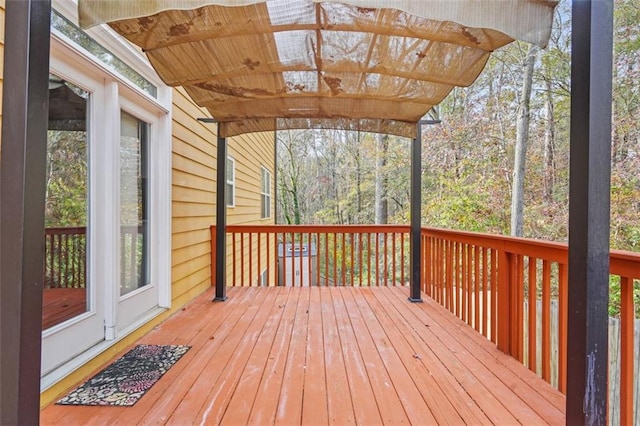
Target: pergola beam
{"x":22,"y":197}
{"x":590,"y":170}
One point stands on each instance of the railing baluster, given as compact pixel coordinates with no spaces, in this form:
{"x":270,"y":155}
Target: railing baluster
{"x":133,"y":258}
{"x":476,"y":288}
{"x":59,"y":268}
{"x":449,"y":275}
{"x":268,"y":259}
{"x":441,"y":277}
{"x":386,"y":256}
{"x":300,"y":253}
{"x":393,"y":259}
{"x":519,"y":299}
{"x":456,"y":278}
{"x":309,"y":255}
{"x":627,"y":315}
{"x":285,"y":259}
{"x":335,"y":259}
{"x":369,"y":259}
{"x":546,"y":320}
{"x":402,"y":259}
{"x":504,"y":301}
{"x":318,"y":283}
{"x":360,"y":266}
{"x":326,"y":259}
{"x":533,"y":289}
{"x":494,"y":295}
{"x":276,"y":255}
{"x":469,"y":285}
{"x":485,"y":280}
{"x":464,"y":281}
{"x":378,"y":243}
{"x":351,"y":256}
{"x":343,"y":251}
{"x":563,"y":283}
{"x":249,"y":264}
{"x":258,"y":271}
{"x":436,"y":269}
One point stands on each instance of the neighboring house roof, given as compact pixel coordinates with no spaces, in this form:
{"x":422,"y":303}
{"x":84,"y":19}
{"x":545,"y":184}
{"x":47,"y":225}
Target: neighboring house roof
{"x":368,"y":65}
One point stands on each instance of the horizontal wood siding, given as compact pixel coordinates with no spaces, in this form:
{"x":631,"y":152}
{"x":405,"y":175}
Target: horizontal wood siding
{"x":193,"y":198}
{"x":251,"y":152}
{"x":194,"y":191}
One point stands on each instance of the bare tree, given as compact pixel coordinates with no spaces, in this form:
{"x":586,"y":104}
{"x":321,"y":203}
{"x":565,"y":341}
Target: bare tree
{"x":522,"y":140}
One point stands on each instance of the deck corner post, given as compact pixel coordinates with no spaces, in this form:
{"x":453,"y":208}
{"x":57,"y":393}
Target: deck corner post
{"x":221,"y":220}
{"x":416,"y":219}
{"x":504,"y":302}
{"x":22,"y":200}
{"x":589,"y":205}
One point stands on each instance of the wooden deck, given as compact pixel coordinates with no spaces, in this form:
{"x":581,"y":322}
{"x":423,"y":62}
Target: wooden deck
{"x":61,"y":304}
{"x":324,"y":355}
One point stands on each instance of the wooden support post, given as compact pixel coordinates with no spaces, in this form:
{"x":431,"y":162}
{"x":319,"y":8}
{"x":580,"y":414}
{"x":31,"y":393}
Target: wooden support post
{"x":416,"y":226}
{"x":22,"y":198}
{"x":589,"y":186}
{"x":504,"y":301}
{"x":221,"y":220}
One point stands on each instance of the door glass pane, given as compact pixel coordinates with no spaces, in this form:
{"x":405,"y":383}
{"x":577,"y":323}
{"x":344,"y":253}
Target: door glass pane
{"x":66,"y":209}
{"x":134,"y":235}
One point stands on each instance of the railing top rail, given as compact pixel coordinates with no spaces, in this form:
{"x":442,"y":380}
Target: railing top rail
{"x":549,"y":250}
{"x":61,"y":230}
{"x":623,"y":263}
{"x":305,"y":229}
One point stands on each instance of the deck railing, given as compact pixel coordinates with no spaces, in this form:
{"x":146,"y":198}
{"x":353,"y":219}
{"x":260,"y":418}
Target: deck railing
{"x":514,"y":291}
{"x":349,"y":255}
{"x":65,"y":264}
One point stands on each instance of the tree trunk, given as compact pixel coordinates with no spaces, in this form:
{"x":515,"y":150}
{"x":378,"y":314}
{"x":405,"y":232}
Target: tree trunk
{"x":549,"y":145}
{"x":522,"y":140}
{"x":358,"y":177}
{"x":381,"y":201}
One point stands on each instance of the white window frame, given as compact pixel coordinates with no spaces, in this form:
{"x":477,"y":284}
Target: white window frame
{"x":264,"y":172}
{"x":231,"y":202}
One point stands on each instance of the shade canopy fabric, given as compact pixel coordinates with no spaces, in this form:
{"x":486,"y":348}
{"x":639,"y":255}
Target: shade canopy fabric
{"x":368,"y":65}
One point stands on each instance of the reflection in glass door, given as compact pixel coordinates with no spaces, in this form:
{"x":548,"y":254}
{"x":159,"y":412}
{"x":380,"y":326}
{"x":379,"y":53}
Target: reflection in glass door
{"x":134,"y":223}
{"x":67,"y":207}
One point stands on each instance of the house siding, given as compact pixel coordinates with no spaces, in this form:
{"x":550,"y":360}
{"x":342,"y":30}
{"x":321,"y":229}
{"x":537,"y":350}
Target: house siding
{"x":247,"y":208}
{"x":193,"y":199}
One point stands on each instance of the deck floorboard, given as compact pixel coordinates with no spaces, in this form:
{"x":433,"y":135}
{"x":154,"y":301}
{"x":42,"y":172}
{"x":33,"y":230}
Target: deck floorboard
{"x":328,"y":355}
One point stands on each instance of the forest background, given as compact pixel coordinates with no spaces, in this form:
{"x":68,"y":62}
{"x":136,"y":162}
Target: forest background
{"x":497,"y":163}
{"x":469,"y":165}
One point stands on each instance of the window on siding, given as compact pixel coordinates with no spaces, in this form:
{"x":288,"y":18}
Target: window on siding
{"x":231,"y":182}
{"x":265,"y":194}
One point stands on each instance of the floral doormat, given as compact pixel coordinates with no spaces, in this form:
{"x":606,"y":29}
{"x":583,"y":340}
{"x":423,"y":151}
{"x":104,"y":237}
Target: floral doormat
{"x":124,"y":381}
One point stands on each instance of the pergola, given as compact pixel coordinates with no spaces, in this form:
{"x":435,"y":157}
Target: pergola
{"x":256,"y":65}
